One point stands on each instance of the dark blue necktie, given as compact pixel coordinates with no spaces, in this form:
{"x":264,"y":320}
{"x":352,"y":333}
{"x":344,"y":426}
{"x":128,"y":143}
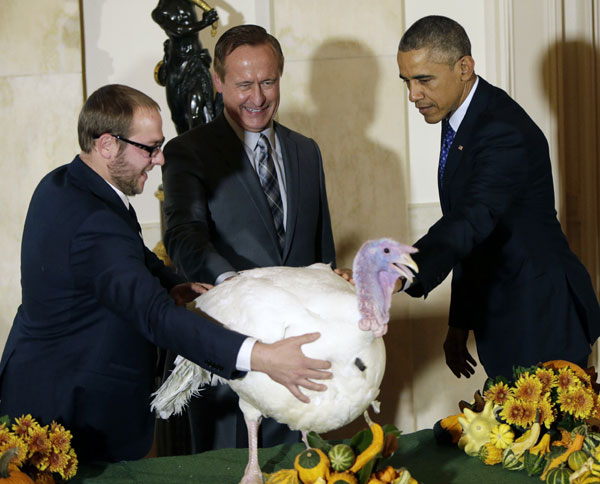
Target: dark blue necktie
{"x":447,"y":137}
{"x":268,"y":180}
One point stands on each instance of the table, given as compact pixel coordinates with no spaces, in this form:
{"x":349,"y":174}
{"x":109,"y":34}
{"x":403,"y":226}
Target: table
{"x":427,"y":461}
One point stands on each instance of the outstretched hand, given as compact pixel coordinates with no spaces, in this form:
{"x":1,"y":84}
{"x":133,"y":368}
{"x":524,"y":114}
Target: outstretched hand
{"x":458,"y":358}
{"x":345,"y":274}
{"x":285,"y":363}
{"x":187,"y":292}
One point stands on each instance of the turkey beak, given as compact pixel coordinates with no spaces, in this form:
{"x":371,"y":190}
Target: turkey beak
{"x":406,"y":266}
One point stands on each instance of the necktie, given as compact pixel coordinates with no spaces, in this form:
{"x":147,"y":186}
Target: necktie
{"x":268,"y":180}
{"x":134,"y":217}
{"x":447,"y":137}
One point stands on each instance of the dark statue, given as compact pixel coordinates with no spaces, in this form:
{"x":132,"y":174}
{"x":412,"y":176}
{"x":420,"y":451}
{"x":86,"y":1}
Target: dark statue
{"x":185,"y":68}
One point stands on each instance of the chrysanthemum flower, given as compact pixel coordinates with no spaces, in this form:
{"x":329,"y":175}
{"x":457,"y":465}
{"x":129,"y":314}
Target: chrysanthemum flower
{"x":578,"y":401}
{"x":44,"y":478}
{"x":528,"y":388}
{"x":57,"y":462}
{"x":38,"y":440}
{"x":566,"y":378}
{"x":546,"y":413}
{"x":547,"y":378}
{"x":513,"y":411}
{"x":498,"y":393}
{"x":4,"y":434}
{"x":71,"y":467}
{"x":22,"y":450}
{"x":60,"y":437}
{"x":23,"y":424}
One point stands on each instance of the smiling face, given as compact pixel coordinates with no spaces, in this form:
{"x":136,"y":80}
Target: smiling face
{"x":250,"y":86}
{"x":436,"y":88}
{"x":128,"y":170}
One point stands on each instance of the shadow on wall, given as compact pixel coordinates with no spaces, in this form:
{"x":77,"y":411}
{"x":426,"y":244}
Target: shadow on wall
{"x":365,"y":181}
{"x":570,"y":76}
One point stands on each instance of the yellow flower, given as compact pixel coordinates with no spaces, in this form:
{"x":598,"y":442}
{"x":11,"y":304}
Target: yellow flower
{"x":519,"y":412}
{"x":566,"y":378}
{"x":578,"y":401}
{"x":38,"y":440}
{"x":44,"y":478}
{"x":60,"y":437}
{"x":528,"y":388}
{"x":71,"y":467}
{"x":57,"y":462}
{"x":16,"y":442}
{"x":4,"y":434}
{"x":498,"y":393}
{"x":547,"y":414}
{"x":547,"y":378}
{"x":22,"y":425}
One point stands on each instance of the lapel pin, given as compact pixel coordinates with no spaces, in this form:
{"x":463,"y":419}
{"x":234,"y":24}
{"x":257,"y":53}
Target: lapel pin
{"x":460,"y":147}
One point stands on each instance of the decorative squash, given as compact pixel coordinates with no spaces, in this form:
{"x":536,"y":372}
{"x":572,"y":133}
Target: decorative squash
{"x":534,"y":463}
{"x":542,"y":447}
{"x":311,"y":465}
{"x":489,"y":454}
{"x":527,"y":440}
{"x":477,"y":428}
{"x":590,"y":442}
{"x":502,"y":436}
{"x":404,"y":477}
{"x":341,"y":457}
{"x":10,"y":474}
{"x":576,"y":459}
{"x":562,"y":458}
{"x":558,"y":475}
{"x":512,"y":462}
{"x":448,"y":430}
{"x":388,"y":474}
{"x":342,"y":478}
{"x":373,"y":449}
{"x":283,"y":476}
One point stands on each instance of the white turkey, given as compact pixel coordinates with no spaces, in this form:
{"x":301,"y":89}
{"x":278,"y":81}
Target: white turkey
{"x":277,"y":302}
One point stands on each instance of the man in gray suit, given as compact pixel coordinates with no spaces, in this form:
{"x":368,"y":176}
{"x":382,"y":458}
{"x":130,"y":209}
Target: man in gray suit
{"x":241,"y":192}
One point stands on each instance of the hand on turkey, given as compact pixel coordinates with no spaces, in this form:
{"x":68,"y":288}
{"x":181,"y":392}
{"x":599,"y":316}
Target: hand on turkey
{"x":458,"y":358}
{"x":187,"y":292}
{"x":285,"y":363}
{"x":345,"y":274}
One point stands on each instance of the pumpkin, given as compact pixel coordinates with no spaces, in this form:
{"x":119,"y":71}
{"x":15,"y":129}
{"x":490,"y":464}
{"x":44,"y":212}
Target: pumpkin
{"x":558,"y":475}
{"x":311,"y":465}
{"x":283,"y":476}
{"x":448,"y":430}
{"x":489,"y":454}
{"x":10,"y":474}
{"x":342,"y":478}
{"x":341,"y":457}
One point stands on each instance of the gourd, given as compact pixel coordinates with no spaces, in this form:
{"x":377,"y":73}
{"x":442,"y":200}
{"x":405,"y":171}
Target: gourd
{"x":373,"y":449}
{"x":448,"y":430}
{"x":577,"y":459}
{"x":341,"y":457}
{"x":476,"y":428}
{"x":535,"y":458}
{"x":590,"y":442}
{"x":576,"y":444}
{"x":342,"y":478}
{"x":311,"y":465}
{"x":512,"y":462}
{"x":9,"y":473}
{"x":404,"y":477}
{"x":489,"y":454}
{"x":388,"y":474}
{"x":283,"y":476}
{"x":527,"y":440}
{"x":502,"y":436}
{"x":558,"y":475}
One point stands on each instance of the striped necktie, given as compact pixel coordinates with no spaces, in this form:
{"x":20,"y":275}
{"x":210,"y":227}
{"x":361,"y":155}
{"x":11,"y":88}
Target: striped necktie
{"x":447,"y":138}
{"x":268,"y":180}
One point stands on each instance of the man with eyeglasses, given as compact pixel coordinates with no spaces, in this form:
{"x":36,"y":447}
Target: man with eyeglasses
{"x":96,"y":302}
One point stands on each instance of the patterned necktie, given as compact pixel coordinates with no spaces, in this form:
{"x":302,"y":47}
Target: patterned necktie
{"x":447,"y":137}
{"x":268,"y":180}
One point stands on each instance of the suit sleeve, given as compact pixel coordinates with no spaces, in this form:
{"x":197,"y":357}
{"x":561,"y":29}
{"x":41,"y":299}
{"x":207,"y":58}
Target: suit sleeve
{"x":498,"y":177}
{"x":187,"y":237}
{"x":108,"y":263}
{"x":325,"y":244}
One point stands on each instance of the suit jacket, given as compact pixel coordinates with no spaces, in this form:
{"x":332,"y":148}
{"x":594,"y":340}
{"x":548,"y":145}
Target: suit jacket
{"x":515,"y":281}
{"x":217,"y":216}
{"x":82,"y":346}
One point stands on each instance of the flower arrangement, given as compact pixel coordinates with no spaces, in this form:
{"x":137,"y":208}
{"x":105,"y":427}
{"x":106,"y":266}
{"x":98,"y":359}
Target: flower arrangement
{"x":544,"y":420}
{"x":44,"y":453}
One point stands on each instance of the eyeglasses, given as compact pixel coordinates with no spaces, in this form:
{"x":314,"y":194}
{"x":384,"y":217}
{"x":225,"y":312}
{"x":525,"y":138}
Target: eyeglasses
{"x":151,"y":150}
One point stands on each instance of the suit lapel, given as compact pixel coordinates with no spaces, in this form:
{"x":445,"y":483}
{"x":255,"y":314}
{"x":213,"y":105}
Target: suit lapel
{"x":461,"y":141}
{"x":291,"y":166}
{"x":230,"y":149}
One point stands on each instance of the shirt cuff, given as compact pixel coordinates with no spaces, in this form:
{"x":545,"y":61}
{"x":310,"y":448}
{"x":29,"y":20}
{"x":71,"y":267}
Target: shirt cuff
{"x":225,"y":275}
{"x":244,"y":354}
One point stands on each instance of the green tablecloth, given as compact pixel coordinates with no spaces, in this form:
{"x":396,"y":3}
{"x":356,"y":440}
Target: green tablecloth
{"x":427,"y":461}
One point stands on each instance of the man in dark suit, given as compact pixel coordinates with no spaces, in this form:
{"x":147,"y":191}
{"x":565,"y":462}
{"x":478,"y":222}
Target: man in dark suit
{"x":241,"y":192}
{"x":97,"y":302}
{"x":516,"y":284}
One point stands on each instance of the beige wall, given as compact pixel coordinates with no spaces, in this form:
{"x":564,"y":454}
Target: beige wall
{"x":40,"y":97}
{"x":341,"y":87}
